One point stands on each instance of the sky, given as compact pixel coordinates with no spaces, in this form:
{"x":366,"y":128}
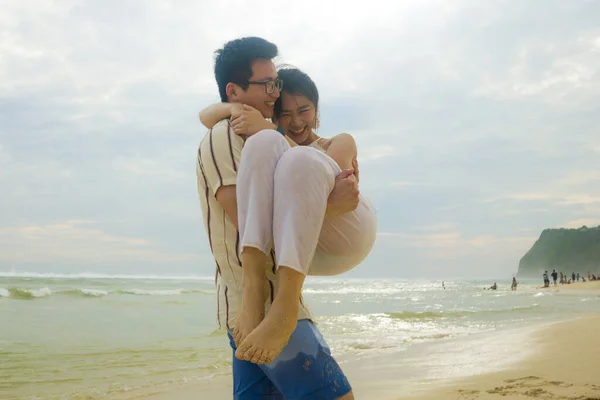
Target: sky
{"x":477,"y":123}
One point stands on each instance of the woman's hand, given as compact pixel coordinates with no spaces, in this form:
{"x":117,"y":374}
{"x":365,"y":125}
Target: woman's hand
{"x":248,"y":120}
{"x":235,"y":110}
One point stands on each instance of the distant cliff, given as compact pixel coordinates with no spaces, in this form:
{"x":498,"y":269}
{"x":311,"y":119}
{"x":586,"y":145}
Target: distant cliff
{"x":566,"y":250}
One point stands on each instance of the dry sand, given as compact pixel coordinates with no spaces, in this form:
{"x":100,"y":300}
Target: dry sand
{"x":593,"y":285}
{"x":566,"y":367}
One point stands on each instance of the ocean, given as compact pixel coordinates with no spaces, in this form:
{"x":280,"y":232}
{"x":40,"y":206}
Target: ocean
{"x":100,"y":336}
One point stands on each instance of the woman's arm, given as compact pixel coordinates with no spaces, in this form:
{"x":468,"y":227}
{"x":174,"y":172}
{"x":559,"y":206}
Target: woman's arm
{"x":216,"y":112}
{"x":342,"y":148}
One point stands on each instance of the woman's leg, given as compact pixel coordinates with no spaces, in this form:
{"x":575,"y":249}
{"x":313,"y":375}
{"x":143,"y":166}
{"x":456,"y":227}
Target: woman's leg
{"x":254,"y":192}
{"x":304,"y":178}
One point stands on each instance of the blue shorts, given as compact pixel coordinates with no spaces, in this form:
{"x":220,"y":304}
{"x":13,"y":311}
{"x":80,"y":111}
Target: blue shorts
{"x":304,"y":370}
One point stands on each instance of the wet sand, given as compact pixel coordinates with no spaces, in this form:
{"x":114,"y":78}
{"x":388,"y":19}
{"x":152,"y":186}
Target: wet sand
{"x":555,"y":361}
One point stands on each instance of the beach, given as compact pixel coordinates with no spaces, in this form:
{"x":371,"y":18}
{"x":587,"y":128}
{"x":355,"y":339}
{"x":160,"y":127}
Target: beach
{"x":592,"y":285}
{"x":553,"y":361}
{"x":155,"y":337}
{"x":565,"y":364}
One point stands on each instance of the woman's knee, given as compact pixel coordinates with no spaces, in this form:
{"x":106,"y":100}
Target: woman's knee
{"x":264,"y":140}
{"x":305,"y":163}
{"x":264,"y":145}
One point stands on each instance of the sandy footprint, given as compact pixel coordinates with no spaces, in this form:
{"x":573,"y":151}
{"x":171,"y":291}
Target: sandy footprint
{"x":558,"y":383}
{"x":468,"y":394}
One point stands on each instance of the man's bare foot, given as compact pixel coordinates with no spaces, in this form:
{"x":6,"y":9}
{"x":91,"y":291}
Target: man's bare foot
{"x":265,"y":343}
{"x":252,"y":311}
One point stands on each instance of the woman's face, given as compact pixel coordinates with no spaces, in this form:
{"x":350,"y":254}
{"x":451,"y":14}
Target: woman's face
{"x":297,"y":117}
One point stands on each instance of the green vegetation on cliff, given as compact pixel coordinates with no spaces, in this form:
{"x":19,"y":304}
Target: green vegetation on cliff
{"x":566,"y":250}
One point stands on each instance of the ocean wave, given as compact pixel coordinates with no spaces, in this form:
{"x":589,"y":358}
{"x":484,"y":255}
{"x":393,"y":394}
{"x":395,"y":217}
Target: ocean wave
{"x":91,"y":275}
{"x":143,"y":292}
{"x":408,"y":315}
{"x":162,"y":292}
{"x":85,"y":292}
{"x":28,"y":294}
{"x":426,"y":315}
{"x":31,"y":294}
{"x":356,"y":290}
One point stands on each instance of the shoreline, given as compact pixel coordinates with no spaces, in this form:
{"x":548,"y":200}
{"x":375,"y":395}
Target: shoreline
{"x":459,"y":368}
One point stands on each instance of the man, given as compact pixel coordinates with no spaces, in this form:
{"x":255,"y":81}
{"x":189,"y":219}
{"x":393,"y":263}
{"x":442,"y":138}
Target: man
{"x":546,"y":280}
{"x":246,"y":74}
{"x":555,"y":277}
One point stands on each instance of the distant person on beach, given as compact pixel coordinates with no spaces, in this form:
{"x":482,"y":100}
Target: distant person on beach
{"x":513,"y":286}
{"x":573,"y":277}
{"x":444,"y":286}
{"x":554,"y":277}
{"x":315,"y":220}
{"x":562,"y":278}
{"x":546,"y":280}
{"x":494,"y":286}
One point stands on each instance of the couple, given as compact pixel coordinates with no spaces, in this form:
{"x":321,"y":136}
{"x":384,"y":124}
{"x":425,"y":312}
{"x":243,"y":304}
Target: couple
{"x":283,"y":203}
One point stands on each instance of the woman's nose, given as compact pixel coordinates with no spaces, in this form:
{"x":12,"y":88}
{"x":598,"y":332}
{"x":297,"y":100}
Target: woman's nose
{"x":296,"y":122}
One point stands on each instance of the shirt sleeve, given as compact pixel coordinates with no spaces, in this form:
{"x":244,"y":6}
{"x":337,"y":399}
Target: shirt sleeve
{"x":220,"y":154}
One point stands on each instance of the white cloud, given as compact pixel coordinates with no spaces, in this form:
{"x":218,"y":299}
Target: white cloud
{"x":475,"y":121}
{"x":578,"y":223}
{"x":79,"y":242}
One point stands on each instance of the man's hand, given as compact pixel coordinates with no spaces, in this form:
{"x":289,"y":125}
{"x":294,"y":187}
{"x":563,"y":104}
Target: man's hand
{"x":355,"y":166}
{"x":248,"y":121}
{"x":344,"y":197}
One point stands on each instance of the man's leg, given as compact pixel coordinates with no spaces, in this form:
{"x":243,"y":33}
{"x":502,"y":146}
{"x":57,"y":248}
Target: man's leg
{"x":250,"y":381}
{"x":306,"y":370}
{"x":303,"y":181}
{"x":254,"y":188}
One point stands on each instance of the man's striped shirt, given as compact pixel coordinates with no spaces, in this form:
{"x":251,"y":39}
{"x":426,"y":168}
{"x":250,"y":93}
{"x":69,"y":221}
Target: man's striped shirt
{"x":217,"y":165}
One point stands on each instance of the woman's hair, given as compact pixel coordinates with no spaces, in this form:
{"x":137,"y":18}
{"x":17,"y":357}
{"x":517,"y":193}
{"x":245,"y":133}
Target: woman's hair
{"x":296,"y":82}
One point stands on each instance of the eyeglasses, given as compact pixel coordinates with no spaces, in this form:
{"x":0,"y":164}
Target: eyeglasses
{"x":269,"y":85}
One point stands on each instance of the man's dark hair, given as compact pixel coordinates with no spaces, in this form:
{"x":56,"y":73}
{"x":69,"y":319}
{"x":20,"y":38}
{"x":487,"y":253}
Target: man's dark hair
{"x":233,"y":63}
{"x":296,"y":82}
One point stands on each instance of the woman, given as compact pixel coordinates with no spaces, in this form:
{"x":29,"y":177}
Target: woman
{"x":299,"y":174}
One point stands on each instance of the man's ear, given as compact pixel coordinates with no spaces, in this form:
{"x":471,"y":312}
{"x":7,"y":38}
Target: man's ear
{"x":233,"y":91}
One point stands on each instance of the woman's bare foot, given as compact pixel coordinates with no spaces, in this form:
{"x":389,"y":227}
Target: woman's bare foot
{"x":265,"y":343}
{"x":252,"y":310}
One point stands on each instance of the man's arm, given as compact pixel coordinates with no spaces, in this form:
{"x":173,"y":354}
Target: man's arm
{"x":344,"y":196}
{"x":220,"y":155}
{"x":227,"y":198}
